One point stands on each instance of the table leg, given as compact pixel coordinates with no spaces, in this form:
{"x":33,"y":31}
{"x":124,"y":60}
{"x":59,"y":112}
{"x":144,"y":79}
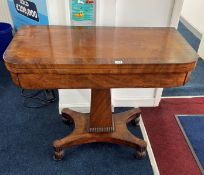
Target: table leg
{"x":100,"y":126}
{"x":101,"y":111}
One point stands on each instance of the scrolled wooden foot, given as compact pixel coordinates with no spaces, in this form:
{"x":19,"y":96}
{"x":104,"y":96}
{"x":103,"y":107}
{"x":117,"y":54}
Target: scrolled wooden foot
{"x":81,"y":135}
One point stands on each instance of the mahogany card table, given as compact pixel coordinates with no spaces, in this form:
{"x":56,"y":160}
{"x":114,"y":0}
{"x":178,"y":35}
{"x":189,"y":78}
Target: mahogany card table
{"x":99,"y":58}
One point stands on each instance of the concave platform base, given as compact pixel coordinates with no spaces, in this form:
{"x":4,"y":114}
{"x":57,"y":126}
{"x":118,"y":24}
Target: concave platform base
{"x":100,"y":126}
{"x":81,"y":133}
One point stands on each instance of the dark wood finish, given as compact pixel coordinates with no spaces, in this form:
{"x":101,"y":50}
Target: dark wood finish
{"x":120,"y":135}
{"x":62,"y":81}
{"x":100,"y":58}
{"x":98,"y":47}
{"x":109,"y":69}
{"x":101,"y":112}
{"x":61,"y":55}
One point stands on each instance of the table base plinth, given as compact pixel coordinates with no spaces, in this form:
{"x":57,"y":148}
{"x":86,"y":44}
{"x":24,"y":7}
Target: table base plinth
{"x":82,"y":135}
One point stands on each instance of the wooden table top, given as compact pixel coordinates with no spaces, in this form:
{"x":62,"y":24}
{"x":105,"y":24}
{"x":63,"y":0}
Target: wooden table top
{"x":102,"y":49}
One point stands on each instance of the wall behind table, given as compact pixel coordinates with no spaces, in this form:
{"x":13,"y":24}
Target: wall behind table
{"x":192,"y":13}
{"x":56,"y":12}
{"x":4,"y":12}
{"x":193,"y":18}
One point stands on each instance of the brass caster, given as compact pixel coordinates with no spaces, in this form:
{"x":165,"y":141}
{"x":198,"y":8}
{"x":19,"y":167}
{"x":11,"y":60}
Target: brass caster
{"x":58,"y":155}
{"x":140,"y":155}
{"x":136,"y":121}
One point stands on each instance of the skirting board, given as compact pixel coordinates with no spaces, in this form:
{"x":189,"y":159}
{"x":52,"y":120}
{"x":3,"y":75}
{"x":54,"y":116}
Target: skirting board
{"x":201,"y":49}
{"x":149,"y":148}
{"x":191,"y":27}
{"x":83,"y":108}
{"x":117,"y":102}
{"x":136,"y":102}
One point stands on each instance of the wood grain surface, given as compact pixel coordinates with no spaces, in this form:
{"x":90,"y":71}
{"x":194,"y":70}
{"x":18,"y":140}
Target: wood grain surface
{"x":99,"y":57}
{"x":99,"y":48}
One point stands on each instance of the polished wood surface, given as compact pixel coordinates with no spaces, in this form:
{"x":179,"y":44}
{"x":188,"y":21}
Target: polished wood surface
{"x":98,"y":48}
{"x":99,"y":58}
{"x":90,"y":54}
{"x":62,"y":81}
{"x":121,"y":134}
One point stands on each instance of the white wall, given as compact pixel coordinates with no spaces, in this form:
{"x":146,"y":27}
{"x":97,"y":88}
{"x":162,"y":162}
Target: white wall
{"x":4,"y":12}
{"x":137,"y":13}
{"x":201,"y":48}
{"x":193,"y":13}
{"x":57,"y":12}
{"x":193,"y":18}
{"x":123,"y":13}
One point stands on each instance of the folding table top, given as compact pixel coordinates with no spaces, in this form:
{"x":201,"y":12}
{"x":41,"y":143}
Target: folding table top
{"x":102,"y":49}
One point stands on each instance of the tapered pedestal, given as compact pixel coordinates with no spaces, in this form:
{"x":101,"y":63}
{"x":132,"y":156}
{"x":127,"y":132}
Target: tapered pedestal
{"x":100,"y":126}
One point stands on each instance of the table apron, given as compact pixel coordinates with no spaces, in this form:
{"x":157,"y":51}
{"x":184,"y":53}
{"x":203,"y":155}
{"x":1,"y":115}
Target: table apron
{"x":65,"y":81}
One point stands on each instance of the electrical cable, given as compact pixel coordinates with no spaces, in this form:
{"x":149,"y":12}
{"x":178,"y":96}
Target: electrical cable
{"x":38,"y":98}
{"x":50,"y":97}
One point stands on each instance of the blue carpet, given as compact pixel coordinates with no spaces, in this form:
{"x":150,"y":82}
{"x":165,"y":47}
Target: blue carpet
{"x":26,"y":142}
{"x":193,"y":129}
{"x":189,"y":36}
{"x":195,"y":86}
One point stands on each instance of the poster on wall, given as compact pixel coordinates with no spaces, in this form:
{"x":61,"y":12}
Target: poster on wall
{"x":83,"y":12}
{"x":28,"y":12}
